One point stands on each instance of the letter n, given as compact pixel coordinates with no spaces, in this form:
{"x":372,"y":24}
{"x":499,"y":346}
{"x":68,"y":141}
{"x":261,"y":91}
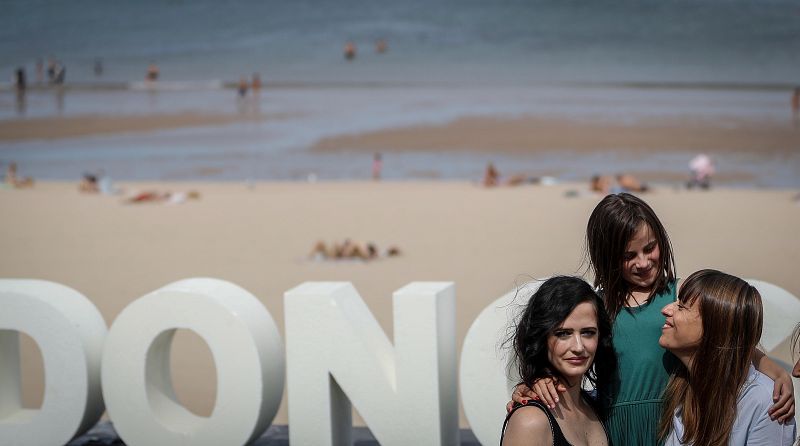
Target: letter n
{"x":337,"y":353}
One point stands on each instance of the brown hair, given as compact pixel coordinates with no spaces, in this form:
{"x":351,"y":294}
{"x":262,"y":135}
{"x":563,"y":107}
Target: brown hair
{"x":731,"y":314}
{"x":612,"y":224}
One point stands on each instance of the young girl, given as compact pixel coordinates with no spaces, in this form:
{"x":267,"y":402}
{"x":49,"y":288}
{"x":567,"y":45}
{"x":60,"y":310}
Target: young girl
{"x":564,"y":331}
{"x":630,"y":255}
{"x":716,"y":397}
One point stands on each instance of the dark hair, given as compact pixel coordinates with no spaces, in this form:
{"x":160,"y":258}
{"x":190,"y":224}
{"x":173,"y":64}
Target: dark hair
{"x":796,"y":340}
{"x":612,"y":224}
{"x":732,"y":317}
{"x":547,"y":309}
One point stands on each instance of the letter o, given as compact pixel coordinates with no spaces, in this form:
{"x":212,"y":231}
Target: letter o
{"x":247,"y":351}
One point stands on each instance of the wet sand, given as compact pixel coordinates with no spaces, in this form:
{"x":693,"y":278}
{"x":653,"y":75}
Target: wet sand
{"x":532,"y":134}
{"x":89,"y":125}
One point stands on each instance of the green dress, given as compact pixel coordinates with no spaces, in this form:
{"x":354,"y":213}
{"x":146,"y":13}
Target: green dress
{"x":643,"y":372}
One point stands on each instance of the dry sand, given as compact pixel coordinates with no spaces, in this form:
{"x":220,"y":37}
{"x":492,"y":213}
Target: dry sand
{"x":485,"y":241}
{"x":525,"y":135}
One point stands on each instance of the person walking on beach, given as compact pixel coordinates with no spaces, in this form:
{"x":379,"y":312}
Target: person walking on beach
{"x":51,"y":70}
{"x":243,"y":87}
{"x":152,"y":72}
{"x":377,"y":166}
{"x":98,"y":66}
{"x":702,"y":168}
{"x":380,"y":46}
{"x":39,"y":71}
{"x":349,"y":51}
{"x":19,"y":80}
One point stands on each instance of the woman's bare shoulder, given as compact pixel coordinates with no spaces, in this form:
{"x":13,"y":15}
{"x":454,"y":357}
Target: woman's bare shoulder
{"x":529,"y":426}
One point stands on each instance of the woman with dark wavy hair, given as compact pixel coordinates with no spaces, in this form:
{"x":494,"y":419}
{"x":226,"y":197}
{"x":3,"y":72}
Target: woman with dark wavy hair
{"x":563,"y":332}
{"x":716,"y":397}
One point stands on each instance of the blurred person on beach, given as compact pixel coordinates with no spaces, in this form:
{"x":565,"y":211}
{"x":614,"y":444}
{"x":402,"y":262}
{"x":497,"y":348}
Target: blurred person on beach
{"x":377,"y":166}
{"x":380,"y":46}
{"x":491,"y":176}
{"x":623,"y":182}
{"x":629,"y":183}
{"x":630,"y":255}
{"x":20,"y":81}
{"x":12,"y":179}
{"x":564,"y":331}
{"x":349,"y":51}
{"x":98,"y":183}
{"x":39,"y":71}
{"x":350,"y":250}
{"x":89,"y":184}
{"x":152,"y":72}
{"x":601,"y":184}
{"x":56,"y":71}
{"x":59,"y":73}
{"x":701,"y":169}
{"x":20,"y":87}
{"x":715,"y":396}
{"x":51,"y":69}
{"x":796,"y":106}
{"x":243,"y":86}
{"x":98,"y":67}
{"x":166,"y":197}
{"x":256,"y":83}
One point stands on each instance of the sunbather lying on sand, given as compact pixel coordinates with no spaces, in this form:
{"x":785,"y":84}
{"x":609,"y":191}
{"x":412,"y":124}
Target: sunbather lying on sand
{"x":350,"y":250}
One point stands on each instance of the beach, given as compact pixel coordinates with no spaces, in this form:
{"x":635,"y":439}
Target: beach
{"x":254,"y":109}
{"x":258,"y":236}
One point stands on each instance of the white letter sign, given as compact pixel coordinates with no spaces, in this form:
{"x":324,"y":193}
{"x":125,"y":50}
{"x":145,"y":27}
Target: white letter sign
{"x":337,"y":353}
{"x":247,"y":351}
{"x":70,"y":332}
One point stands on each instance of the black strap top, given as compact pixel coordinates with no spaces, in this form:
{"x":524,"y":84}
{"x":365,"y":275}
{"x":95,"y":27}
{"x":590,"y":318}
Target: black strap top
{"x":558,"y":437}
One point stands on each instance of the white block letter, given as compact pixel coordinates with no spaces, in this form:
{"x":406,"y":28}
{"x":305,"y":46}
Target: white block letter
{"x":70,"y":332}
{"x":337,"y":353}
{"x":484,"y":371}
{"x":781,"y":313}
{"x":247,"y":351}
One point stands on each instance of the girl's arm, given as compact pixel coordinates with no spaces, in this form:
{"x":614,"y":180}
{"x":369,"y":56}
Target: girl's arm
{"x":783,"y":393}
{"x":545,"y":390}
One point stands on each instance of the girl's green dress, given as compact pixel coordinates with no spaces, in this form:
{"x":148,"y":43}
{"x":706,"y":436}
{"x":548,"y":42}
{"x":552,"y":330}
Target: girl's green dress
{"x":643,"y":372}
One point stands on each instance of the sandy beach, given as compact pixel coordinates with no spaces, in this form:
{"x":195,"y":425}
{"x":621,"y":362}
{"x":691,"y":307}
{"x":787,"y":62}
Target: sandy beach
{"x":533,"y":134}
{"x":484,"y":240}
{"x":92,"y":125}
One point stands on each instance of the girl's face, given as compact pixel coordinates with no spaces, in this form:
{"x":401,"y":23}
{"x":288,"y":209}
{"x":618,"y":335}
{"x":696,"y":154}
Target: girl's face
{"x":572,"y":345}
{"x":682,"y":328}
{"x":640,"y":261}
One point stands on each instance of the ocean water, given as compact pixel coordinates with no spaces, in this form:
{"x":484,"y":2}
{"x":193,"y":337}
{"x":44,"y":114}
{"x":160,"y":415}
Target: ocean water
{"x":446,"y":59}
{"x":503,"y":41}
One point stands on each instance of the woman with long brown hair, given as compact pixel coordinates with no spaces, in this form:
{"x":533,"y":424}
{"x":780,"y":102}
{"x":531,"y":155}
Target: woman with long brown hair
{"x":715,"y":396}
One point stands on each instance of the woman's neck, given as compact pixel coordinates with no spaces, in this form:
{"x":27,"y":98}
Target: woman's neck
{"x":571,"y":399}
{"x":686,"y":357}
